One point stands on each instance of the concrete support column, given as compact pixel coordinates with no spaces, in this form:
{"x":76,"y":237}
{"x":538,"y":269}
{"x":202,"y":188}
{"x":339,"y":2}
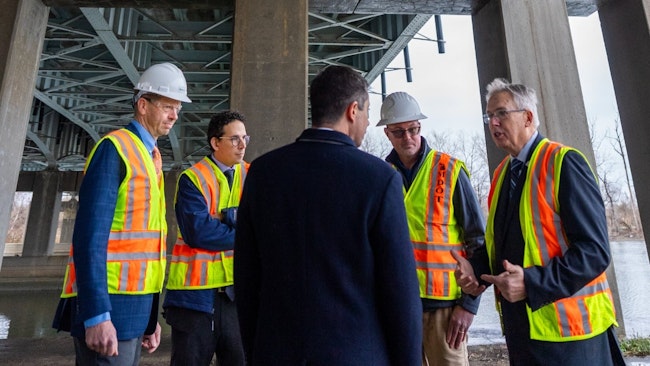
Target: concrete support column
{"x":22,"y":28}
{"x":43,"y":215}
{"x":628,"y":51}
{"x":529,"y":42}
{"x":514,"y":41}
{"x":269,"y":71}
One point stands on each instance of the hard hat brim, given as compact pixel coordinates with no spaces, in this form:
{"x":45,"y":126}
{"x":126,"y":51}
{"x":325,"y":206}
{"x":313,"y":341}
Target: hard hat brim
{"x":391,"y":121}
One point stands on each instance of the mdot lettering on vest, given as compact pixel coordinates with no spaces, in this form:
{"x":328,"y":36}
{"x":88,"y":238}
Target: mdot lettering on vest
{"x":439,"y":191}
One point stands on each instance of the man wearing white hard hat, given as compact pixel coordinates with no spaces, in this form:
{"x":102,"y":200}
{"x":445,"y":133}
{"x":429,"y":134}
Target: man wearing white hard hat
{"x":116,"y":270}
{"x":442,"y":213}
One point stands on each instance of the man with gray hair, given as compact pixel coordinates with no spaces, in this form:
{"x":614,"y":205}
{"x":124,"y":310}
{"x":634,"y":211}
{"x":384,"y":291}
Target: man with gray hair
{"x":547,"y":244}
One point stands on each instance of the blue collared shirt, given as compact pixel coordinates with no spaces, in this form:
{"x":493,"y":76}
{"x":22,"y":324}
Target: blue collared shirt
{"x":147,"y":139}
{"x":523,"y":154}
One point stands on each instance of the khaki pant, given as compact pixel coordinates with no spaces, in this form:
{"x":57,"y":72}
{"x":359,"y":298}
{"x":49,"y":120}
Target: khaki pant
{"x":436,"y":351}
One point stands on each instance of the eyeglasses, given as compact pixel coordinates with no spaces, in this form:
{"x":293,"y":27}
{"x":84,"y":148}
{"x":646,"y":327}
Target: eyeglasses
{"x":399,"y":133}
{"x":500,"y":115}
{"x":236,"y":140}
{"x":167,"y":108}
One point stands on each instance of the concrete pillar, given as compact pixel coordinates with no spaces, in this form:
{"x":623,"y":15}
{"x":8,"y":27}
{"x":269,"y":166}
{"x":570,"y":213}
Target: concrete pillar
{"x":22,"y":30}
{"x":491,"y":60}
{"x":43,"y":215}
{"x":628,"y":51}
{"x":515,"y":40}
{"x":269,"y":71}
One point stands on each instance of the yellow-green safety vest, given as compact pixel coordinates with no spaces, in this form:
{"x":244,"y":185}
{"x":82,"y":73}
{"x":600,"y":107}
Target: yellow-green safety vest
{"x":590,"y":311}
{"x":195,"y":268}
{"x":136,"y":253}
{"x":432,"y":224}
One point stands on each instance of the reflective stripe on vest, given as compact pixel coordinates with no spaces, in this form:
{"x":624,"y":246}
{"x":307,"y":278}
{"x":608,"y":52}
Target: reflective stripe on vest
{"x":433,"y":227}
{"x":195,"y":268}
{"x":588,"y":312}
{"x":136,"y":252}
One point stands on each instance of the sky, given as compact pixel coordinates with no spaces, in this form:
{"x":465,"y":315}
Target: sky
{"x":446,"y":85}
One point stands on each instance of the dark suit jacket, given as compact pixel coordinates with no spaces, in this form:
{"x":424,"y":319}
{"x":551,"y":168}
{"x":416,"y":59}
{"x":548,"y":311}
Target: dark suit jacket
{"x":583,"y":219}
{"x":324,"y":267}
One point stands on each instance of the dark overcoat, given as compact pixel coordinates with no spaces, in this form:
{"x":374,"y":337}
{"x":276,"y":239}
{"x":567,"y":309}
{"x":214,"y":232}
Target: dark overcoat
{"x":324,"y":268}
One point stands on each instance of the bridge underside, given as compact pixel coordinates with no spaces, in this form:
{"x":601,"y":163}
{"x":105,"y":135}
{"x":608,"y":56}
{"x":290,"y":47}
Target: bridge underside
{"x":94,"y":51}
{"x":68,"y":71}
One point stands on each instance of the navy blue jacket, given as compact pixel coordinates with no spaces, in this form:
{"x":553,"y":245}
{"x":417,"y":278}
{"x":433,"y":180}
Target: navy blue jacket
{"x":324,"y":268}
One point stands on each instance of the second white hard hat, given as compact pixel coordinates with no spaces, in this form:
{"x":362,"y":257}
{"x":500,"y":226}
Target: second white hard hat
{"x":399,"y":107}
{"x":164,"y":79}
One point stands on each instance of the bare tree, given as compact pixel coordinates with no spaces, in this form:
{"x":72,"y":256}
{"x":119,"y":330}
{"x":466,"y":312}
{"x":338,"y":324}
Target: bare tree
{"x":610,"y":193}
{"x":602,"y":170}
{"x":18,"y":218}
{"x":472,"y":151}
{"x":477,"y":163}
{"x":618,"y":144}
{"x":444,"y":142}
{"x":376,"y":144}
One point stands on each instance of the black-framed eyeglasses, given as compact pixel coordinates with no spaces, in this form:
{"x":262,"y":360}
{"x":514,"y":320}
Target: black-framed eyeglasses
{"x":399,"y":133}
{"x":167,"y":108}
{"x":237,"y":140}
{"x":500,"y":115}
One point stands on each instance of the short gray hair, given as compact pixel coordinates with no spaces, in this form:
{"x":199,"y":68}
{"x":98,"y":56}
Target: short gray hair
{"x":524,"y":96}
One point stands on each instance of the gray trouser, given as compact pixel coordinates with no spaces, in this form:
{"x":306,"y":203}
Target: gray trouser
{"x":128,"y":353}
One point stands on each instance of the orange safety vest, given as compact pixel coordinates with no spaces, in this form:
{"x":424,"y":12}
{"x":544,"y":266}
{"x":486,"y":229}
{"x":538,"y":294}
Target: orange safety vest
{"x":433,"y":228}
{"x":136,"y":252}
{"x":588,"y":312}
{"x":195,"y":268}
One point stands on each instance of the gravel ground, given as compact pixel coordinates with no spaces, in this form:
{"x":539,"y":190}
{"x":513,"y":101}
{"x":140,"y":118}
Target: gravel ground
{"x":58,"y":351}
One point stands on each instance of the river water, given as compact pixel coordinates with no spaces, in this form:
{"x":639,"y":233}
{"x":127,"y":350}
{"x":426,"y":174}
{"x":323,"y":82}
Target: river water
{"x":28,"y":314}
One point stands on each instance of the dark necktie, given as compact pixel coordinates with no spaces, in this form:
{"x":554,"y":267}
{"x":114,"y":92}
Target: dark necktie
{"x":229,"y":173}
{"x":515,"y":171}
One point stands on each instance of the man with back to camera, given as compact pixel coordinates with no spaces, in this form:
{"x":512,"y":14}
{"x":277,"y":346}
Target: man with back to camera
{"x":116,"y":270}
{"x":324,"y":269}
{"x":547,"y":246}
{"x":200,"y":303}
{"x":443,"y":214}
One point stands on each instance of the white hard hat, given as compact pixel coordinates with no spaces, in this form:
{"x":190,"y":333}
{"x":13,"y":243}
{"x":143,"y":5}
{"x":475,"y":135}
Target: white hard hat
{"x":163,"y":79}
{"x":399,"y":107}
